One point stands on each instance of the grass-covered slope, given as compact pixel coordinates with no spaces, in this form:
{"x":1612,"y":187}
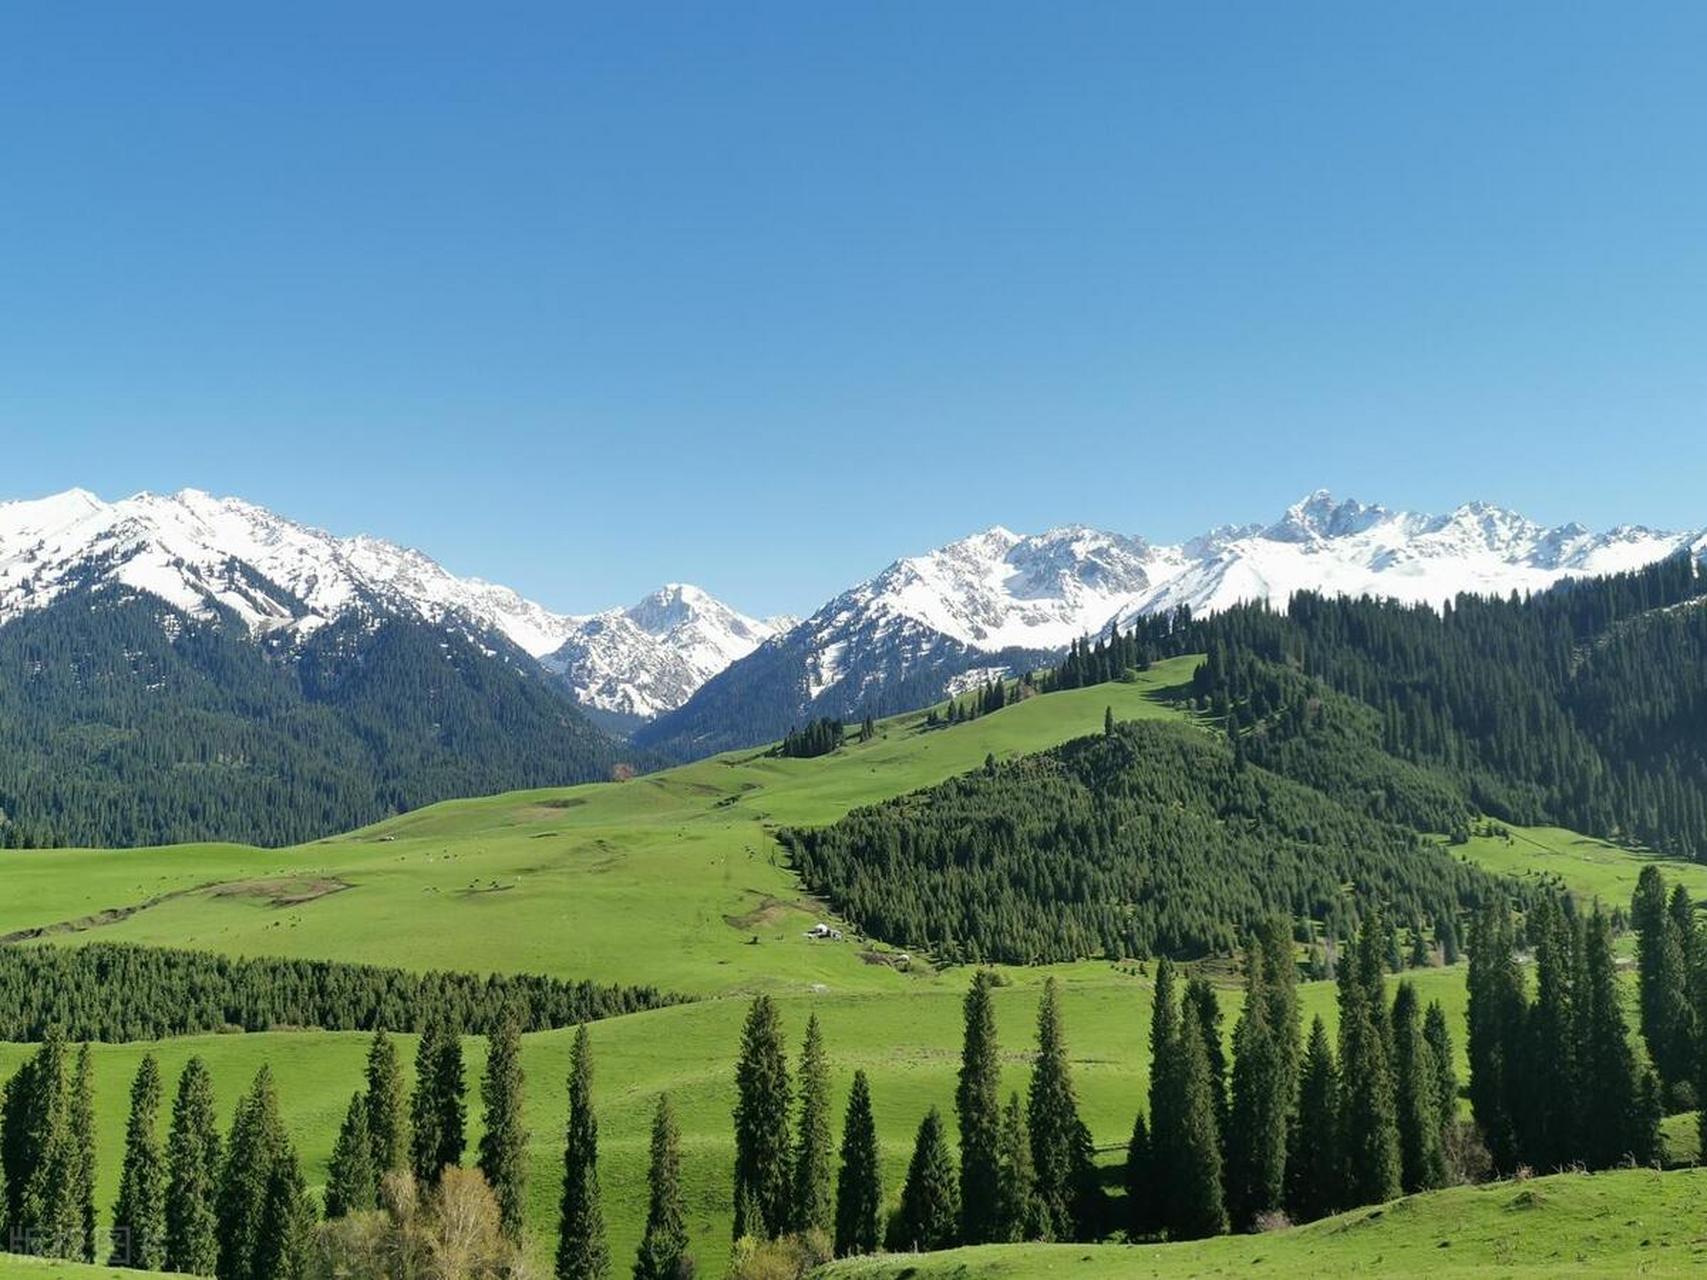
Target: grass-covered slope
{"x":1625,"y":1223}
{"x":667,"y":879}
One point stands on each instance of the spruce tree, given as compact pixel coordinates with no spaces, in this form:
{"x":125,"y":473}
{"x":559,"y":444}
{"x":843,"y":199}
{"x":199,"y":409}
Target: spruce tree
{"x":1368,"y":1128}
{"x":1496,"y":1025}
{"x":193,"y":1165}
{"x":448,"y":1090}
{"x":80,"y":1127}
{"x":139,"y":1214}
{"x":387,"y":1106}
{"x":814,"y":1205}
{"x":424,"y":1108}
{"x":351,"y":1182}
{"x":762,"y":1108}
{"x":1143,"y":1198}
{"x":581,"y":1250}
{"x":1664,"y":932}
{"x":1445,"y":1065}
{"x":930,"y":1199}
{"x":1202,"y":1004}
{"x":977,"y":1104}
{"x":252,"y":1151}
{"x":1017,"y":1216}
{"x":1060,"y":1143}
{"x":1422,"y":1162}
{"x":1259,"y":1107}
{"x":1280,"y":989}
{"x":437,"y":1112}
{"x":503,"y":1144}
{"x":663,"y":1251}
{"x":1550,"y":1119}
{"x":1153,"y":1208}
{"x":859,"y":1186}
{"x":1198,"y":1208}
{"x":287,"y":1222}
{"x":1313,"y":1163}
{"x":35,"y":1154}
{"x":1613,"y":1121}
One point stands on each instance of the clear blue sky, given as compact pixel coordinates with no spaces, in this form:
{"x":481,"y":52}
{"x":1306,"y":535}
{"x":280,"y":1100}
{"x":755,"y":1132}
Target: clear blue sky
{"x":582,"y":297}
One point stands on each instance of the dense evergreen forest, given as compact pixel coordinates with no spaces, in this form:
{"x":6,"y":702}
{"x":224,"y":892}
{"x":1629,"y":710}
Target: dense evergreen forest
{"x":1584,"y":706}
{"x":117,"y":730}
{"x":116,"y":992}
{"x":1152,"y":838}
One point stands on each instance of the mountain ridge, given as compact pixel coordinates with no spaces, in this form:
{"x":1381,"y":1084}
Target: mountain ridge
{"x":997,"y":601}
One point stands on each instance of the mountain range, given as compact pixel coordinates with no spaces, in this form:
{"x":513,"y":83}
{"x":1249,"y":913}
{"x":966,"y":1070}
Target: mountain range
{"x":242,"y":598}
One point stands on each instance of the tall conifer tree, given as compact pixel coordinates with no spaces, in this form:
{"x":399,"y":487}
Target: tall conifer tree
{"x":1422,"y":1162}
{"x":387,"y":1106}
{"x":859,"y":1187}
{"x":503,"y":1144}
{"x":1260,"y":1107}
{"x":1368,"y":1128}
{"x":930,"y":1198}
{"x":1314,"y":1164}
{"x":581,"y":1250}
{"x":1060,"y":1143}
{"x":814,"y":1205}
{"x":139,"y":1214}
{"x":193,"y":1164}
{"x":762,"y":1106}
{"x":663,"y":1251}
{"x":977,"y":1104}
{"x":351,"y":1182}
{"x":1198,"y":1206}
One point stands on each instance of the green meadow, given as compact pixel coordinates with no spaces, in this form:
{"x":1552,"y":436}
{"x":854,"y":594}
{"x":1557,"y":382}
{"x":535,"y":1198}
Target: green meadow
{"x":673,"y":880}
{"x":1624,"y":1223}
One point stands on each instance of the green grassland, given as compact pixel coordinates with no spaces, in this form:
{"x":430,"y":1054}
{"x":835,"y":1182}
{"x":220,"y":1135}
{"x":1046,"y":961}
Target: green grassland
{"x":909,"y":1047}
{"x":1625,"y":1223}
{"x":1591,"y":869}
{"x":673,"y":880}
{"x":667,"y":879}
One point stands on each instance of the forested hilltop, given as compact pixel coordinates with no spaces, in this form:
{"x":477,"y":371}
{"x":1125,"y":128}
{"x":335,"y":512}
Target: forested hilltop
{"x":1149,"y":839}
{"x":1585,"y":706}
{"x":125,"y":722}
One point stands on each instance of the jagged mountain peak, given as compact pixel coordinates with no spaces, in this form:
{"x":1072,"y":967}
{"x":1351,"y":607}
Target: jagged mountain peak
{"x":203,"y":553}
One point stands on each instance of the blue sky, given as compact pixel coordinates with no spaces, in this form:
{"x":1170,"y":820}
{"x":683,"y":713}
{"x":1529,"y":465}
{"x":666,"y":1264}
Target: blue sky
{"x":584,"y":297}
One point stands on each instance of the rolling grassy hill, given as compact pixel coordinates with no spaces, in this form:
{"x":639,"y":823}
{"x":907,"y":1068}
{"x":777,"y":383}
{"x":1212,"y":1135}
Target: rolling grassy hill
{"x":672,"y":879}
{"x":1624,"y":1223}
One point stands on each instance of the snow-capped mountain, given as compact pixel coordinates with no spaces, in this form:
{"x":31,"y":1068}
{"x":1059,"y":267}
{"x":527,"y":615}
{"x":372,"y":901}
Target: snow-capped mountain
{"x":199,"y":553}
{"x":1349,"y":548}
{"x":652,"y":656}
{"x":998,"y":600}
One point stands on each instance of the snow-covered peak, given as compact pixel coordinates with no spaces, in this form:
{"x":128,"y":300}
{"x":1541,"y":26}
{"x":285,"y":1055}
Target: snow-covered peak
{"x":652,"y":656}
{"x":197,"y":552}
{"x":998,"y":589}
{"x":1350,"y":548}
